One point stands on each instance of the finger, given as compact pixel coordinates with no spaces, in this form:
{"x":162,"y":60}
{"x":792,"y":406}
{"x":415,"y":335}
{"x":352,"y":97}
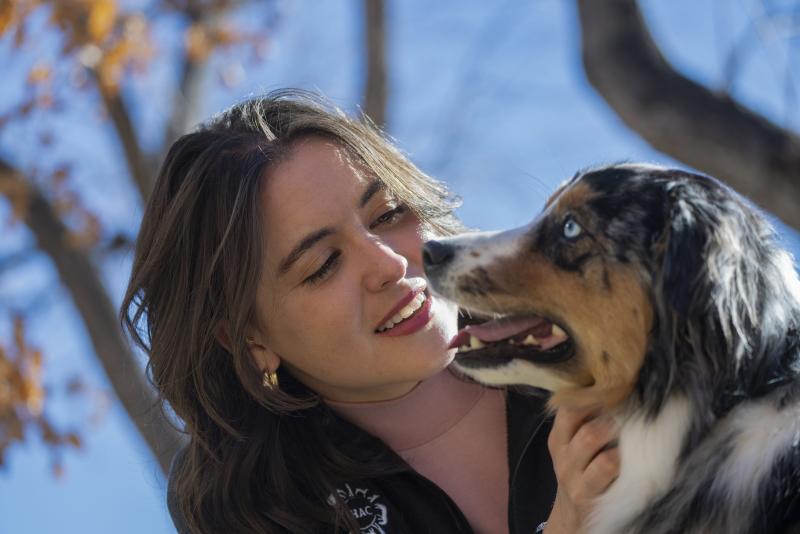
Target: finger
{"x":600,"y":473}
{"x":590,"y":440}
{"x":566,"y":425}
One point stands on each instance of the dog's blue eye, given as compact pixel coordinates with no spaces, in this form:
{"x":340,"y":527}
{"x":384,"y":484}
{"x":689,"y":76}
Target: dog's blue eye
{"x":572,"y":229}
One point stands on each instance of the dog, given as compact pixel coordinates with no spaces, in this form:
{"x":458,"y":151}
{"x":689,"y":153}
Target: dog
{"x":659,"y":297}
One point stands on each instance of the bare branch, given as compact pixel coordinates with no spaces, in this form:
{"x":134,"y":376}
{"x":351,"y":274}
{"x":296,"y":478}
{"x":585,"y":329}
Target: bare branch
{"x":187,"y":97}
{"x":186,"y":101}
{"x":141,"y":168}
{"x":376,"y":86}
{"x":708,"y":131}
{"x":79,"y":276}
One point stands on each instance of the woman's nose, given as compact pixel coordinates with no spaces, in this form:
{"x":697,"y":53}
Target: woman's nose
{"x":383,"y":266}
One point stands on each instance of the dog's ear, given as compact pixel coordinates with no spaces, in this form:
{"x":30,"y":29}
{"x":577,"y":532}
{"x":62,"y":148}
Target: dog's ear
{"x":684,"y":242}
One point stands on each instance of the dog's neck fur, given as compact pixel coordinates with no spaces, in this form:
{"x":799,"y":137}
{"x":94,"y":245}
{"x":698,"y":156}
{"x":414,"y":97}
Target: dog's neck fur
{"x":661,"y":480}
{"x":685,"y":453}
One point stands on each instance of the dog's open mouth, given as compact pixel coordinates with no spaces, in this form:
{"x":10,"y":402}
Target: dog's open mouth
{"x":498,"y":341}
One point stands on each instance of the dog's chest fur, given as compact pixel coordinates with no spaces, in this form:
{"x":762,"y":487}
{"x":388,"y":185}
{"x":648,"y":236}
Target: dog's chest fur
{"x":730,"y":472}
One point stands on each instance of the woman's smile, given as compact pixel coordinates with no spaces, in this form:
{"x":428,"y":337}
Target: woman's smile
{"x":413,"y":317}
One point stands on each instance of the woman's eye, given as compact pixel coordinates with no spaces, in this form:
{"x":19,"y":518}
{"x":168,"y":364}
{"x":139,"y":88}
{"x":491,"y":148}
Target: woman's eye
{"x":390,"y":216}
{"x":323,"y":271}
{"x":571,"y":229}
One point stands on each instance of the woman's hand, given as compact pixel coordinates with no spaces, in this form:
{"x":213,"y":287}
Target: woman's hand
{"x":586,"y":462}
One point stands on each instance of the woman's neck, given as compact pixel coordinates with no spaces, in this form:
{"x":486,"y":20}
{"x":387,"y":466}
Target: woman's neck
{"x":420,"y":415}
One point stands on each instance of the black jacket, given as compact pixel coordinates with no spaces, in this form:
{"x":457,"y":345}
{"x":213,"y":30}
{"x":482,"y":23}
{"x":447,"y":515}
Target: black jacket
{"x":409,"y":503}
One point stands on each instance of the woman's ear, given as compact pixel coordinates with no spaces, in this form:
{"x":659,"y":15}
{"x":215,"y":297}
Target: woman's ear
{"x":263,"y":356}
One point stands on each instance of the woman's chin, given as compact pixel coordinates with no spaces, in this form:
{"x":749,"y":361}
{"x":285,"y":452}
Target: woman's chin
{"x":445,"y":319}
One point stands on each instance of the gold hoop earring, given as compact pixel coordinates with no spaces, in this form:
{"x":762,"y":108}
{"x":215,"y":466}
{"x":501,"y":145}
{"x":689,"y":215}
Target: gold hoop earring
{"x":270,"y":379}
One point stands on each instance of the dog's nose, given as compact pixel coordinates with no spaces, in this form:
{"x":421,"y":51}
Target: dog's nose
{"x":436,"y":254}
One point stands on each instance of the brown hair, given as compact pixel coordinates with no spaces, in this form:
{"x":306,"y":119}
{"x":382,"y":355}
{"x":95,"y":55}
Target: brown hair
{"x":258,"y":460}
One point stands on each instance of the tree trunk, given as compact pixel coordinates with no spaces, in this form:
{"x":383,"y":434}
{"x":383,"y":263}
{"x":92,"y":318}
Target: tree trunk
{"x":79,"y":276}
{"x":376,"y":88}
{"x":705,"y":130}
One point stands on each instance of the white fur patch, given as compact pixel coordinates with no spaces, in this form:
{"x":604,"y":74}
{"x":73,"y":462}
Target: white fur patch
{"x":648,"y":453}
{"x":762,"y":433}
{"x":519,"y":372}
{"x":489,"y":247}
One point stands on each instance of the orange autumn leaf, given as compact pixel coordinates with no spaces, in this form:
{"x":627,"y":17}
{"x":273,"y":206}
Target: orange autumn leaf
{"x":84,"y":238}
{"x":35,"y":359}
{"x":23,"y":397}
{"x":198,"y":43}
{"x":6,"y":15}
{"x":59,"y":176}
{"x":74,"y":440}
{"x":226,"y":35}
{"x":39,"y":74}
{"x":112,"y":65}
{"x":33,"y":395}
{"x":102,"y":16}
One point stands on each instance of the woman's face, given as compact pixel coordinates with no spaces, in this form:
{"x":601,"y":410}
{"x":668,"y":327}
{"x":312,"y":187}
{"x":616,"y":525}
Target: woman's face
{"x":341,"y":256}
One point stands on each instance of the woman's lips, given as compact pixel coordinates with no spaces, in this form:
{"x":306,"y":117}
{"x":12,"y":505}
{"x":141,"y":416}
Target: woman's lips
{"x":412,"y":324}
{"x":401,"y":304}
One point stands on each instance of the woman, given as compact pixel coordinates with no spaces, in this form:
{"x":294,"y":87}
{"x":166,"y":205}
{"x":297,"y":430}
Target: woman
{"x":277,"y":288}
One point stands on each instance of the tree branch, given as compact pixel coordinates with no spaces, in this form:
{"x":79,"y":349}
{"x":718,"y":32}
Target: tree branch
{"x":187,"y":97}
{"x":185,"y":102}
{"x":142,"y":169}
{"x":79,"y":276}
{"x":706,"y":130}
{"x":376,"y":86}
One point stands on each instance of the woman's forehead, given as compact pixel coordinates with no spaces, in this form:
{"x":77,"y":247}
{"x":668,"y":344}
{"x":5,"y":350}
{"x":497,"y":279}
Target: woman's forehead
{"x":316,"y":168}
{"x":315,"y":188}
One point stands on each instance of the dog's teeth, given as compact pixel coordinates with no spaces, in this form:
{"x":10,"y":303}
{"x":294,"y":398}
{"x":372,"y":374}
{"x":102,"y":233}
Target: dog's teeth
{"x":475,"y":343}
{"x":557,"y":331}
{"x":464,"y":348}
{"x":511,"y":341}
{"x":530,"y":340}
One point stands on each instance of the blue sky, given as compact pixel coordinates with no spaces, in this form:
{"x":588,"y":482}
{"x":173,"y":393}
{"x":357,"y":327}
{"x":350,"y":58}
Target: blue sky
{"x":487,"y":96}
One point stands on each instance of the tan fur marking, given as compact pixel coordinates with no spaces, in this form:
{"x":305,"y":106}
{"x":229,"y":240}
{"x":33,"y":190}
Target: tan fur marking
{"x":575,"y":197}
{"x":598,"y":321}
{"x":604,"y":308}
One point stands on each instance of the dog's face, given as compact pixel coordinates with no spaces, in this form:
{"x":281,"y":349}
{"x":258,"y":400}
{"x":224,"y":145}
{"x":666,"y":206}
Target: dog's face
{"x":570,"y":294}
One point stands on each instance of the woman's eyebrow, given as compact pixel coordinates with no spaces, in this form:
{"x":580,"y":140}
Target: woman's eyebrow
{"x":305,"y":244}
{"x":308,"y":241}
{"x":370,"y":191}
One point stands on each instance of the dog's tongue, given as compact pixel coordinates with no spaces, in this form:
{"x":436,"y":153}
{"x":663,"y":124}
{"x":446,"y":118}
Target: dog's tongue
{"x":503,"y":328}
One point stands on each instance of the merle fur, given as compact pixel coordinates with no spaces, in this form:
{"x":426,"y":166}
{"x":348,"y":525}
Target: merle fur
{"x":726,"y":325}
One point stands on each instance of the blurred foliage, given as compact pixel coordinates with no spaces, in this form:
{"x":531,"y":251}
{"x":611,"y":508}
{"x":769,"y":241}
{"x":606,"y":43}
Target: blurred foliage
{"x":100,"y":47}
{"x":22,"y":399}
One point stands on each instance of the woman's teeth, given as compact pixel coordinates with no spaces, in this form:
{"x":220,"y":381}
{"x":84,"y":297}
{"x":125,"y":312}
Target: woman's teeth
{"x":405,"y":313}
